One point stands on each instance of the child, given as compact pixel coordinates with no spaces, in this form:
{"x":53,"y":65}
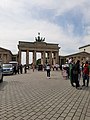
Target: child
{"x":64,"y":72}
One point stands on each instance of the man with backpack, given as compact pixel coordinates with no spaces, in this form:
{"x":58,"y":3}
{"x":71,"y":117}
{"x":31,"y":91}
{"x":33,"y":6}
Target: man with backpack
{"x":86,"y":74}
{"x":72,"y":81}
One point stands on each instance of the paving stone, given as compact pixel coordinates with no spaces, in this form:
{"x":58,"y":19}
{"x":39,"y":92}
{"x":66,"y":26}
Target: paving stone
{"x":38,"y":113}
{"x":61,"y":118}
{"x":82,"y":117}
{"x":63,"y":115}
{"x":34,"y":117}
{"x":73,"y":110}
{"x":70,"y":114}
{"x":45,"y":119}
{"x":18,"y":118}
{"x":53,"y":118}
{"x":27,"y":117}
{"x":41,"y":116}
{"x":66,"y":111}
{"x":87,"y":118}
{"x":46,"y":112}
{"x":88,"y":114}
{"x":75,"y":118}
{"x":68,"y":118}
{"x":48,"y":116}
{"x":78,"y":114}
{"x":56,"y":115}
{"x":11,"y":118}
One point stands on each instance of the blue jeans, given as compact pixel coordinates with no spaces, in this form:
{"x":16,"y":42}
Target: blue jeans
{"x":85,"y":77}
{"x":48,"y":73}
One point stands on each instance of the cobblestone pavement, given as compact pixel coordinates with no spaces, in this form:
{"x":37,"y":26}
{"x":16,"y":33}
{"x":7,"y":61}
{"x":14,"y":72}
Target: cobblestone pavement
{"x":32,"y":96}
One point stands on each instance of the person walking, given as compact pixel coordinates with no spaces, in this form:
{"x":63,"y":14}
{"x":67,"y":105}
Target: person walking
{"x":86,"y":73}
{"x":48,"y":68}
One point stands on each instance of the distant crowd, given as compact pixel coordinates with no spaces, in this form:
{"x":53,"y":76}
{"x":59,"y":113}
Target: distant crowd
{"x":18,"y":69}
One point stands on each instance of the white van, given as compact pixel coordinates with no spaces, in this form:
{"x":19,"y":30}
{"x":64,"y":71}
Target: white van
{"x":1,"y":72}
{"x":14,"y":63}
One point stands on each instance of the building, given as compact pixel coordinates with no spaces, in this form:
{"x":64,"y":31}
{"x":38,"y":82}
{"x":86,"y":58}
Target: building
{"x":82,"y":56}
{"x":6,"y":55}
{"x":85,"y":48}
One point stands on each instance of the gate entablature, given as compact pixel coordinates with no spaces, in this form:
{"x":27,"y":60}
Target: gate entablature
{"x":35,"y":45}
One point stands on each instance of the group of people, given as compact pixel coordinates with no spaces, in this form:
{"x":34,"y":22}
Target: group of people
{"x":76,"y":71}
{"x":19,"y":69}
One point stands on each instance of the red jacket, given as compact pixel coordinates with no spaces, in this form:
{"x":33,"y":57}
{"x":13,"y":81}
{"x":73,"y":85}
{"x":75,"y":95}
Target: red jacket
{"x":86,"y":69}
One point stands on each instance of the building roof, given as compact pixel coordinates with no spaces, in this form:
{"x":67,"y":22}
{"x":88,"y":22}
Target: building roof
{"x":84,"y":46}
{"x":79,"y":53}
{"x":3,"y":49}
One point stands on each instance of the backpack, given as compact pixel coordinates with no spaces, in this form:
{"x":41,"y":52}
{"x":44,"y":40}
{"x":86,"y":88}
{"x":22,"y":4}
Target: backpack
{"x":74,"y":69}
{"x":86,"y":69}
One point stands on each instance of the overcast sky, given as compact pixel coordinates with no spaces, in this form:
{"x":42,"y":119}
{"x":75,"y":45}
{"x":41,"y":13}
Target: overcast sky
{"x":65,"y":22}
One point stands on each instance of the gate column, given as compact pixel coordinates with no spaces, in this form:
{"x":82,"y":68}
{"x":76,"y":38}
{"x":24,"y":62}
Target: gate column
{"x":50,"y":57}
{"x":34,"y":57}
{"x":19,"y":61}
{"x":57,"y":58}
{"x":54,"y":58}
{"x":43,"y":58}
{"x":27,"y":57}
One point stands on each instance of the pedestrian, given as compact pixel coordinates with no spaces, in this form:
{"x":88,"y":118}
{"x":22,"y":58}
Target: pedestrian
{"x":76,"y":72}
{"x":61,"y":67}
{"x":53,"y":67}
{"x":21,"y":68}
{"x":79,"y":75}
{"x":25,"y":68}
{"x":15,"y":70}
{"x":86,"y":73}
{"x":57,"y":66}
{"x":64,"y":72}
{"x":18,"y":67}
{"x":48,"y":68}
{"x":33,"y":67}
{"x":71,"y":64}
{"x":67,"y":69}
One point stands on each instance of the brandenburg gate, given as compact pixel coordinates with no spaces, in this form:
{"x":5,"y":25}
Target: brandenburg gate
{"x":49,"y":52}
